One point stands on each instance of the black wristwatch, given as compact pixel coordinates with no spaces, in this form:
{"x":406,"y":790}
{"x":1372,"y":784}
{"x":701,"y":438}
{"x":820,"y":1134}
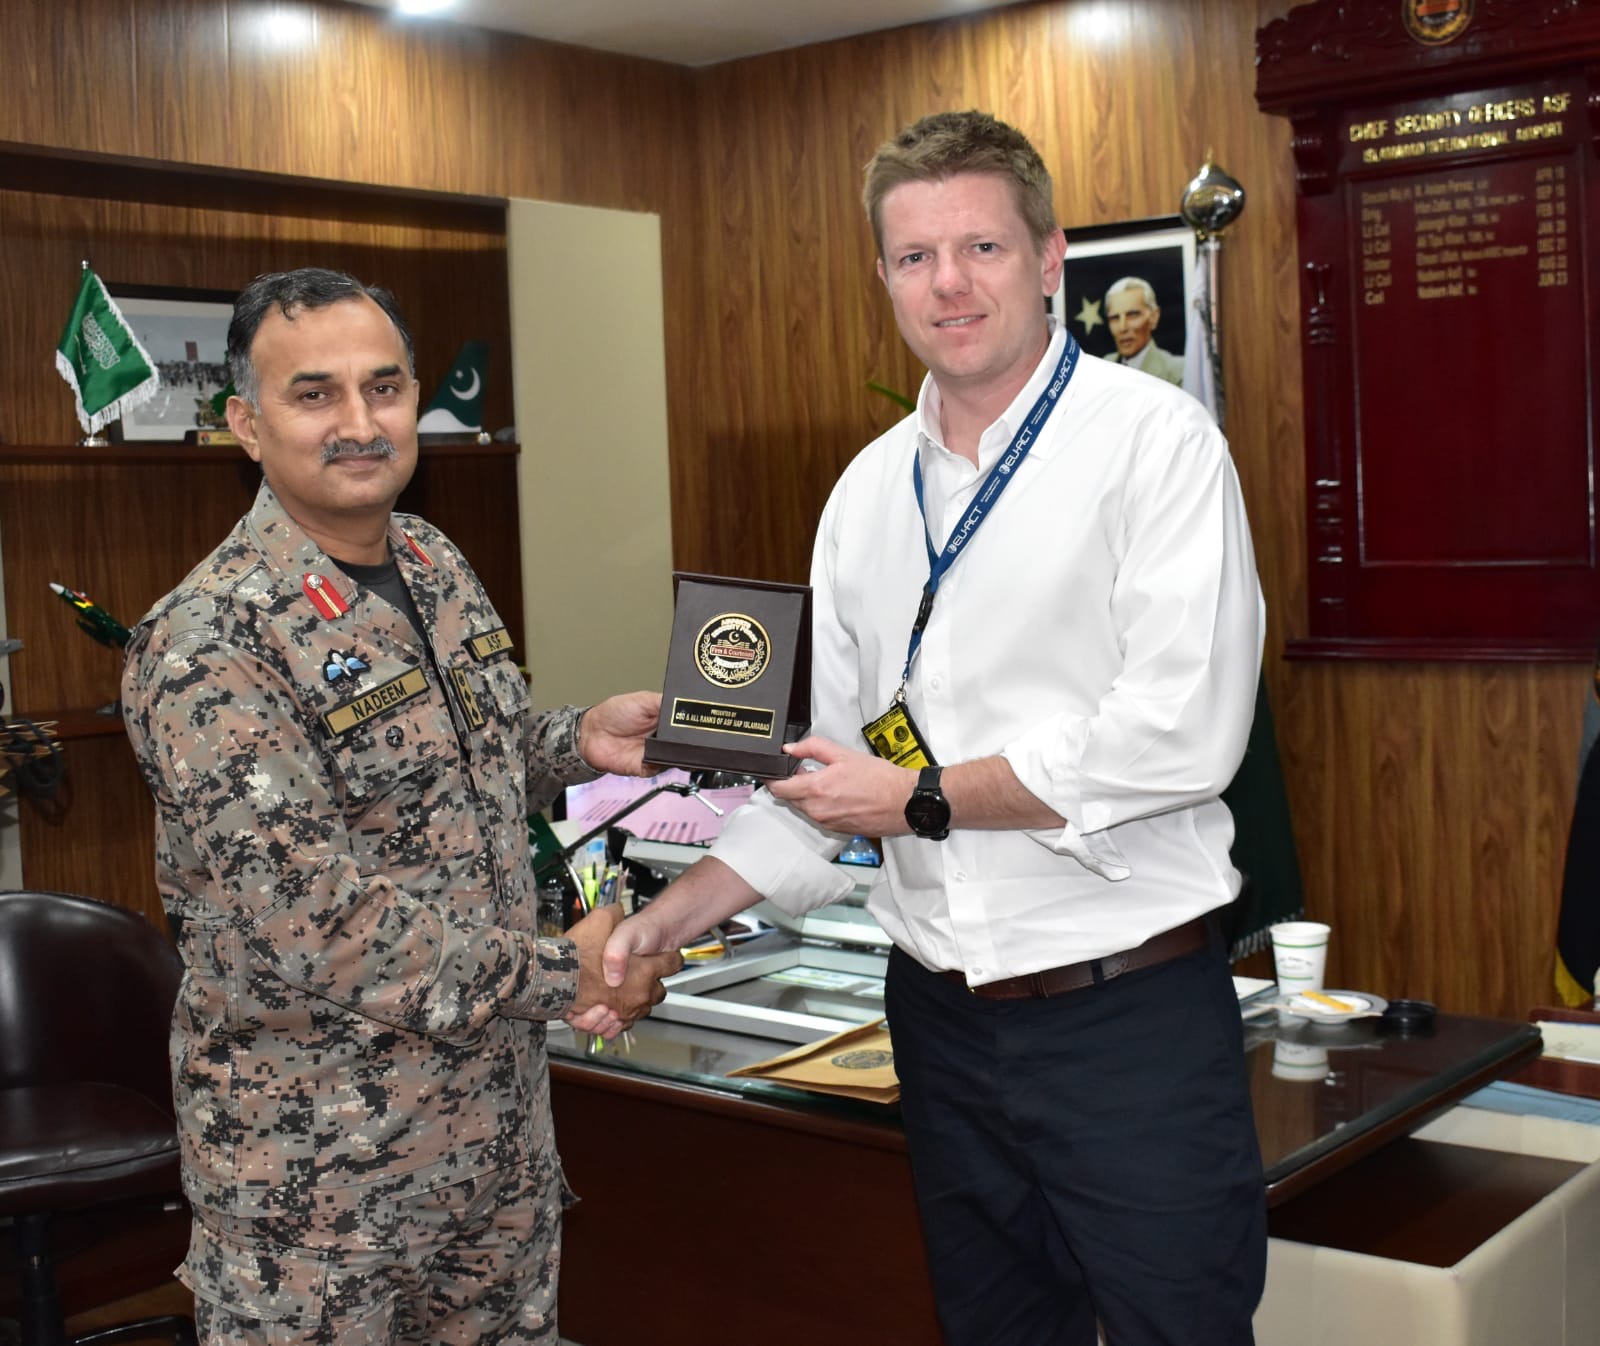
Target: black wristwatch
{"x":928,"y":811}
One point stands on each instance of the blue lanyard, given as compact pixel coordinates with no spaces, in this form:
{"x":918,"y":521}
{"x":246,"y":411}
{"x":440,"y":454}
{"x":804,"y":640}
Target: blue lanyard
{"x":1000,"y":476}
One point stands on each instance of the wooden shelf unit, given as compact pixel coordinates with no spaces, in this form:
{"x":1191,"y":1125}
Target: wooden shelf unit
{"x":126,"y":522}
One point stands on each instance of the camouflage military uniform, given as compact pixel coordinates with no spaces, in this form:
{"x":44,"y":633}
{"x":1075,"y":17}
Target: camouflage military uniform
{"x":341,"y":846}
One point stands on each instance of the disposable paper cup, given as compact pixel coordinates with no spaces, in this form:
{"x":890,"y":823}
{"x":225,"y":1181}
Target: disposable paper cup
{"x":1300,"y":955}
{"x":1297,"y":1061}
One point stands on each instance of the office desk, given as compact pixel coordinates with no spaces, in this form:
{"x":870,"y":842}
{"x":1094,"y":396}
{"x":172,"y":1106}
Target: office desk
{"x":1378,"y":1087}
{"x":709,"y":1200}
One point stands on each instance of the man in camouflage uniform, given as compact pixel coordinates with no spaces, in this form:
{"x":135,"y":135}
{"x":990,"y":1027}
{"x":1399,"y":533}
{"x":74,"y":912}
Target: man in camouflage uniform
{"x":343,"y":756}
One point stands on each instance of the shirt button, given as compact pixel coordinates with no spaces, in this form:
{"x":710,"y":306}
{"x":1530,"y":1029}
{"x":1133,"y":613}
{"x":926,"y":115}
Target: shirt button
{"x":935,"y":683}
{"x":961,"y":876}
{"x":976,"y":971}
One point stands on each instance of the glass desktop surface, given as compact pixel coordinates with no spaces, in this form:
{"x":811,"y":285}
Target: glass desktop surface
{"x":691,"y":1054}
{"x":1375,"y":1081}
{"x":858,"y":1000}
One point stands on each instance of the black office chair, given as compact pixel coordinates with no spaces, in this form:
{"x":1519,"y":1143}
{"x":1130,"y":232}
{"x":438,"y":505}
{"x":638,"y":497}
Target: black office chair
{"x":86,"y":1119}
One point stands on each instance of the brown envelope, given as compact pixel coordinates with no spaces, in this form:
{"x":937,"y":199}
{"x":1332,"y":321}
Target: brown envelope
{"x":858,"y":1063}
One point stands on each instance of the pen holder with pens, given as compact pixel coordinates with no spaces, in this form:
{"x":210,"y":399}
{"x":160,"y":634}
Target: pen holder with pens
{"x":580,"y":876}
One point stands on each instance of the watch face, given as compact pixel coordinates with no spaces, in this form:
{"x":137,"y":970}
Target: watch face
{"x":928,"y":813}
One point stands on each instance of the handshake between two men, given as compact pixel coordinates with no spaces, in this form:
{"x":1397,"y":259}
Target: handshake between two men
{"x":608,"y":1008}
{"x":845,"y":790}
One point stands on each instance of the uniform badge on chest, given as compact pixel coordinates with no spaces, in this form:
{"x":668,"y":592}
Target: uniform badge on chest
{"x":344,"y":664}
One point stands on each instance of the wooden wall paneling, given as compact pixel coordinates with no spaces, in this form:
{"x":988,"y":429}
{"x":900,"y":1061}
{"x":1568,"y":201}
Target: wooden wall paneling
{"x":770,"y":344}
{"x":451,"y":284}
{"x":188,"y":115}
{"x":617,"y":137}
{"x":56,"y":55}
{"x":124,"y":535}
{"x":96,"y":836}
{"x":346,"y":92}
{"x":1429,"y":838}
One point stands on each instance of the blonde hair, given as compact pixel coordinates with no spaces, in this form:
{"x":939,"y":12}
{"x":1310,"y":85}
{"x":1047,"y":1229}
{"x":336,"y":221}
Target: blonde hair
{"x":948,"y":143}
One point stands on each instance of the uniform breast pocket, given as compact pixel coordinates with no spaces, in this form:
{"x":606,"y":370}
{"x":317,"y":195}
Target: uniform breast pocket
{"x":504,"y":697}
{"x":509,"y":689}
{"x":407,"y":804}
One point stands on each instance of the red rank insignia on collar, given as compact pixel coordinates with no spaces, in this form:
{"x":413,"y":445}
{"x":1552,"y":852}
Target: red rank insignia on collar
{"x":416,"y":548}
{"x":324,"y":597}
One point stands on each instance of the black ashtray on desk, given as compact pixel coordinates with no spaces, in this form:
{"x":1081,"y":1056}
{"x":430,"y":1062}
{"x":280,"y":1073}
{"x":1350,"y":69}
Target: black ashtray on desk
{"x":1407,"y":1018}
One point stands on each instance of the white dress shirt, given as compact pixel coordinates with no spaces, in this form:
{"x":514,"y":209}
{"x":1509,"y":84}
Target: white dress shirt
{"x":1102,"y":631}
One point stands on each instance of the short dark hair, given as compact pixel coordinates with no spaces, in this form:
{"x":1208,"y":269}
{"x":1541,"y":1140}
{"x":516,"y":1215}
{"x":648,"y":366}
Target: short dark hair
{"x":948,"y":143}
{"x":290,"y":291}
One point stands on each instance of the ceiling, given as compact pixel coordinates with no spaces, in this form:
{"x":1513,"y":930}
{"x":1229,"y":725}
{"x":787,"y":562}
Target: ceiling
{"x":692,"y":32}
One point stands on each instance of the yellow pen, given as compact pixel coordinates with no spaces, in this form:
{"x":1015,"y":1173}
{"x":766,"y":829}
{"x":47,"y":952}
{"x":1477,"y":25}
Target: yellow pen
{"x":1328,"y":1002}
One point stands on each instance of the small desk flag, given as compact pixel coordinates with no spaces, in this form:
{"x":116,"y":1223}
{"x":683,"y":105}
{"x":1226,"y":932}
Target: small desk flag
{"x":457,"y":408}
{"x":110,"y":372}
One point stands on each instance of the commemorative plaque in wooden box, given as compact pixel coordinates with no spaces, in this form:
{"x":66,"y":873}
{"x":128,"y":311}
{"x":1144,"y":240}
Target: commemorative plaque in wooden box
{"x":738,"y":678}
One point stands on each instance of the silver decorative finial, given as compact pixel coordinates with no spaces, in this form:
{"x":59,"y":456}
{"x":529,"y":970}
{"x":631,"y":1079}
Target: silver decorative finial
{"x":1212,"y":201}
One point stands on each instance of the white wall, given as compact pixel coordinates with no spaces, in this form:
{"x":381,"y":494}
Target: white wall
{"x":590,"y":386}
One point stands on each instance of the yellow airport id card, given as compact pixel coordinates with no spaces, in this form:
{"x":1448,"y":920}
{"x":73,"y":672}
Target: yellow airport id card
{"x":895,"y":737}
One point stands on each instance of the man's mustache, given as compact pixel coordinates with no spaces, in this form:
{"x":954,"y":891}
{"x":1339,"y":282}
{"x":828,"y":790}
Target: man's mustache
{"x":378,"y":447}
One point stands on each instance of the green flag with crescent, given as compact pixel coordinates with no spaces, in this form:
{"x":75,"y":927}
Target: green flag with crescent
{"x":110,"y":372}
{"x":457,"y":407}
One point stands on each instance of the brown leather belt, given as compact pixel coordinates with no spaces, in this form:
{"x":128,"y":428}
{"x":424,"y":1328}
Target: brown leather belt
{"x":1169,"y":944}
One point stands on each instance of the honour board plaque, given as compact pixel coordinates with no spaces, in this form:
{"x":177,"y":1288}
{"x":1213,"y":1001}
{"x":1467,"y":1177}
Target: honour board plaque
{"x":1447,"y":189}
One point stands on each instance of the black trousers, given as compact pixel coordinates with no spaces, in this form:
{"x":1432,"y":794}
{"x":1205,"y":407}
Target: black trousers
{"x":1090,"y":1156}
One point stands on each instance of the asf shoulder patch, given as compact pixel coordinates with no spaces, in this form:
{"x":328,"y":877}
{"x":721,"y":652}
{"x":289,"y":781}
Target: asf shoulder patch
{"x":488,"y":644}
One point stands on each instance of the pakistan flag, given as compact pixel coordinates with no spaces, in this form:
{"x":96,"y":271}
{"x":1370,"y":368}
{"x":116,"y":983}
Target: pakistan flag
{"x":110,"y":372}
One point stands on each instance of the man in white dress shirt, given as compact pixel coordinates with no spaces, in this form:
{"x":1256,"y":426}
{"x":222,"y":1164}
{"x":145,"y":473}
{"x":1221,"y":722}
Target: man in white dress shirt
{"x":1045,"y":574}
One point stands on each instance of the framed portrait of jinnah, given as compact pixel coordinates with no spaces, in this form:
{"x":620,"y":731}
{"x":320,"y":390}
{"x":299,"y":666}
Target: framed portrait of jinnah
{"x":1125,"y":292}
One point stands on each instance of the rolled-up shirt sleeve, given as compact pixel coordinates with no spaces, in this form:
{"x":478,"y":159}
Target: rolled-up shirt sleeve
{"x":783,"y":856}
{"x":1187,"y":608}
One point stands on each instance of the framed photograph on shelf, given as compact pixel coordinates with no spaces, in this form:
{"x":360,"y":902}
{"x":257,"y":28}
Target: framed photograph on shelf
{"x":1125,"y":292}
{"x":186,"y":333}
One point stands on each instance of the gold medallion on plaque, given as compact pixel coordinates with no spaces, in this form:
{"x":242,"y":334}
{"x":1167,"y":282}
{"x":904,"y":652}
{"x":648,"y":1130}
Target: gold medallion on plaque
{"x":1435,"y":22}
{"x":732,"y":650}
{"x":750,"y":640}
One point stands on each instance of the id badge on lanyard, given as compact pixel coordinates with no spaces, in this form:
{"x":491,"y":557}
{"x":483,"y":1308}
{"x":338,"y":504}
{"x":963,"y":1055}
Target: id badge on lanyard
{"x":894,"y":735}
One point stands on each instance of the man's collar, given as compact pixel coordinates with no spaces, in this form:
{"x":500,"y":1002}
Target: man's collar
{"x":999,"y":434}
